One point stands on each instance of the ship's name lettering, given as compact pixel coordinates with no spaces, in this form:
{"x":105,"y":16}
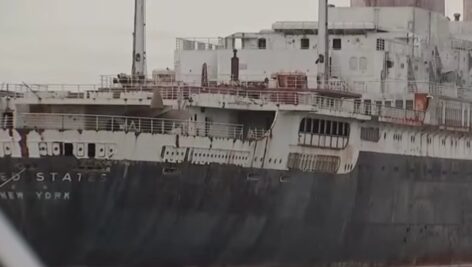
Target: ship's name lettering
{"x":58,"y":177}
{"x":38,"y":195}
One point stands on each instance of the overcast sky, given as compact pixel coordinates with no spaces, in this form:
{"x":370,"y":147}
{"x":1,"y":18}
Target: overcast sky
{"x":74,"y":41}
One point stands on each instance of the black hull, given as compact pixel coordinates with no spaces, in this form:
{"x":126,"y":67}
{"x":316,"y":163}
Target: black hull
{"x":392,"y":210}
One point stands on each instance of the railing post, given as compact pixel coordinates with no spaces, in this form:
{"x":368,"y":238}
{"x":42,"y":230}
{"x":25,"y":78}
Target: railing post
{"x":96,"y":123}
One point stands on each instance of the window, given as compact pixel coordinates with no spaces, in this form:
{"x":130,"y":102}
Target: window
{"x":91,"y":150}
{"x":305,"y":43}
{"x":363,"y":64}
{"x":380,"y":44}
{"x":370,"y":134}
{"x":68,"y":149}
{"x":324,"y":127}
{"x":353,"y":63}
{"x":316,"y":126}
{"x":397,"y":137}
{"x":328,"y":127}
{"x":262,"y":43}
{"x":337,"y":44}
{"x":399,"y":104}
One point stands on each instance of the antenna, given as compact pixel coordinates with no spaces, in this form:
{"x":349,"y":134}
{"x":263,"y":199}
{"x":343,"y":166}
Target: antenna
{"x":323,"y":43}
{"x":139,"y":69}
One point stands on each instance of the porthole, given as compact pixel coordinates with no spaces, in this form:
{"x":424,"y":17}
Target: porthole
{"x":101,"y":151}
{"x":56,"y":149}
{"x":80,"y":150}
{"x":43,"y":149}
{"x":7,"y":149}
{"x":111,"y":150}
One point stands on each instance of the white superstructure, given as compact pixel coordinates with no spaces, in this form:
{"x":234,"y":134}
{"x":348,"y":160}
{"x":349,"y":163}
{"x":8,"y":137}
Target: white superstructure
{"x":374,"y":53}
{"x":398,"y":84}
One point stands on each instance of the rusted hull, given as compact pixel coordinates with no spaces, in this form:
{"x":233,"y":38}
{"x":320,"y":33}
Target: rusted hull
{"x":391,"y":211}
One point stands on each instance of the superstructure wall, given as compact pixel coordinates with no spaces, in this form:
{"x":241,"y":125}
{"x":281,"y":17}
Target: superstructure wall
{"x":468,"y":10}
{"x":433,"y":5}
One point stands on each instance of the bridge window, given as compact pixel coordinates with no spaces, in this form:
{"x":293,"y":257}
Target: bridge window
{"x":337,"y":44}
{"x":262,"y":43}
{"x":305,"y":43}
{"x":380,"y":44}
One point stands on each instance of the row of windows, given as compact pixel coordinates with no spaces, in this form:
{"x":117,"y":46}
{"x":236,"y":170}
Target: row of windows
{"x":336,"y":44}
{"x":399,"y":104}
{"x":368,"y":134}
{"x":324,"y":127}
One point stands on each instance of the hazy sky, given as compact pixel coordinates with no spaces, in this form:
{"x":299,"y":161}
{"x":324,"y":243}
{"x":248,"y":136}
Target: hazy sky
{"x":75,"y":41}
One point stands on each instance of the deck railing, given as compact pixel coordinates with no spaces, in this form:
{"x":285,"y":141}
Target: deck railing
{"x":287,"y":98}
{"x":52,"y":121}
{"x":95,"y":91}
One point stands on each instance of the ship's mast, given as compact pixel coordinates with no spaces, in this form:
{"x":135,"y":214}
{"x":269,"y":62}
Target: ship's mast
{"x":323,"y":43}
{"x":139,"y":69}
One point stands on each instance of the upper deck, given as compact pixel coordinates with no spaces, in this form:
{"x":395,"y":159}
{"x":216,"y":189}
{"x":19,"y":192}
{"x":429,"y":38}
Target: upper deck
{"x":236,"y":98}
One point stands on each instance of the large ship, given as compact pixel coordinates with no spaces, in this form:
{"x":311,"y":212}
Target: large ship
{"x":343,"y":142}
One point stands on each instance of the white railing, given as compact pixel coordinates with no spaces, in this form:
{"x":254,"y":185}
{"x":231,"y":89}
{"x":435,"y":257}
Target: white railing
{"x":52,"y":121}
{"x":297,"y":98}
{"x":376,"y":89}
{"x":288,"y":98}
